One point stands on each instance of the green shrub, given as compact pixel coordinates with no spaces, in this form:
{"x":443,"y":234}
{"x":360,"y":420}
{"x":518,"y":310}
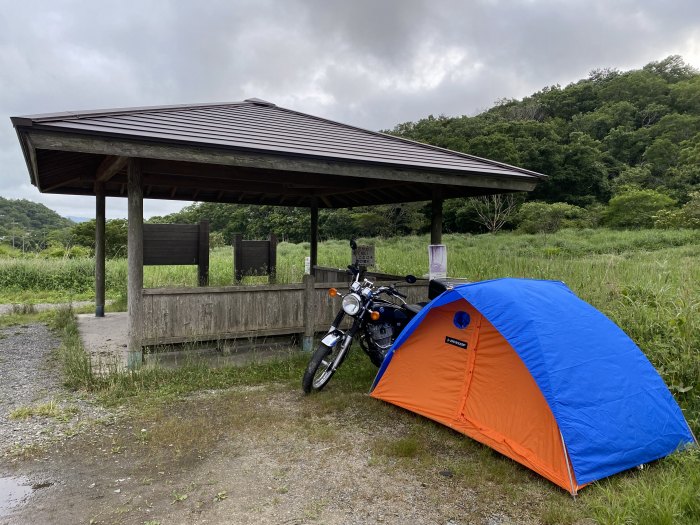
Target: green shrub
{"x":54,"y":251}
{"x":636,"y":209}
{"x":9,"y":251}
{"x":686,"y":217}
{"x":669,"y":219}
{"x":541,"y":217}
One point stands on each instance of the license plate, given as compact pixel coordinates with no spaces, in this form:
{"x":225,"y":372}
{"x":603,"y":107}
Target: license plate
{"x":330,"y":340}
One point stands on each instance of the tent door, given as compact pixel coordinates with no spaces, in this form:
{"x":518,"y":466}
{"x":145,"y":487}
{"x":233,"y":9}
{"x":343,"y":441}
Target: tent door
{"x":471,"y":362}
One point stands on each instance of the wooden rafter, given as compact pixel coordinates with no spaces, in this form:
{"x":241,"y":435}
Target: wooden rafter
{"x":59,"y":184}
{"x":109,"y":167}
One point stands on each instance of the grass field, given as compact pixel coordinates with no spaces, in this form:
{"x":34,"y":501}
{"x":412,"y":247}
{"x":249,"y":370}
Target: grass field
{"x":648,"y":282}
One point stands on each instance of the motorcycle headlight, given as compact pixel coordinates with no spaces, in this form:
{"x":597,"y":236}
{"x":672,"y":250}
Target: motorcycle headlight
{"x":351,"y":303}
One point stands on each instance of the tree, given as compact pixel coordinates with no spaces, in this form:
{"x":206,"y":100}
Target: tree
{"x":582,"y":177}
{"x":116,"y":233}
{"x":541,"y":217}
{"x":636,"y":209}
{"x":684,"y":96}
{"x":672,"y":69}
{"x":661,"y":155}
{"x":493,"y":211}
{"x":637,"y":177}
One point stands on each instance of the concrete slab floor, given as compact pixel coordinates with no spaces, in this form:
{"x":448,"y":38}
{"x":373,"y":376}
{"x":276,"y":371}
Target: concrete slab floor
{"x":105,"y":340}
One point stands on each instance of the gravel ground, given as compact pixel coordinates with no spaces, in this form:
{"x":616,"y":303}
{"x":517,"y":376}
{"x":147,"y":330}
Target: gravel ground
{"x":29,"y":377}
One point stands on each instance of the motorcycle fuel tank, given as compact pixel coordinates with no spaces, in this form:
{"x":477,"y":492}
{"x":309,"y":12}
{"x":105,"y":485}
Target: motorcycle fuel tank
{"x":392,"y":315}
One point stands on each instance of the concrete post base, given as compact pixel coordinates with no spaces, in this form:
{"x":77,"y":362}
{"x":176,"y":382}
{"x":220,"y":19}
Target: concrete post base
{"x":307,"y":343}
{"x":134,"y":360}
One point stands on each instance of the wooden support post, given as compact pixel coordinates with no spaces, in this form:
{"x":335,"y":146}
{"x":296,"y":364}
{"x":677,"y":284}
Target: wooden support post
{"x":307,"y":342}
{"x":314,"y":235}
{"x":135,"y":265}
{"x":99,"y":249}
{"x":237,"y":257}
{"x":436,"y":222}
{"x":203,"y":253}
{"x":272,"y":257}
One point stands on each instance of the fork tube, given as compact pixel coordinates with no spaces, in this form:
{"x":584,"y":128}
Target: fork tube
{"x":338,"y":319}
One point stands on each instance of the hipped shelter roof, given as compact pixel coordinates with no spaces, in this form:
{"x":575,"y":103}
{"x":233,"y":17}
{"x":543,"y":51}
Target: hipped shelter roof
{"x":248,"y":152}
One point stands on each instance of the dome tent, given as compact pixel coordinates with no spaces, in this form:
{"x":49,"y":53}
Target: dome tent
{"x":529,"y":369}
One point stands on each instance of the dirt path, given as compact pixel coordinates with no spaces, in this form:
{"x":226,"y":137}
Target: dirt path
{"x":264,"y":454}
{"x":256,"y":455}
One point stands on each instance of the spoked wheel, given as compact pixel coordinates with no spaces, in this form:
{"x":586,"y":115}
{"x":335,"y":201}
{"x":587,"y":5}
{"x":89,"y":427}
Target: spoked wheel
{"x":320,"y":369}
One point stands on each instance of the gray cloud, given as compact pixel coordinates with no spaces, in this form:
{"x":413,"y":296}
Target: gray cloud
{"x":369,"y":63}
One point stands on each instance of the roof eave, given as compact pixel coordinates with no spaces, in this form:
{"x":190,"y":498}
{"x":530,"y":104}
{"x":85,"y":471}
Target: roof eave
{"x":29,"y":154}
{"x":109,"y":140}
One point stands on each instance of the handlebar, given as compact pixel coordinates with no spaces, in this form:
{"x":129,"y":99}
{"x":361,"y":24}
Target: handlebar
{"x":396,"y":292}
{"x":391,"y":291}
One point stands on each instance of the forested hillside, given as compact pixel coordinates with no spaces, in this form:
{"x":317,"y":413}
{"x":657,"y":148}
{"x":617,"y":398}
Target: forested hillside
{"x":23,"y":219}
{"x":595,"y":138}
{"x":620,"y":148}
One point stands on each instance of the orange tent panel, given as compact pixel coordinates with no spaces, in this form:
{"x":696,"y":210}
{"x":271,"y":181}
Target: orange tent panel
{"x":484,"y":390}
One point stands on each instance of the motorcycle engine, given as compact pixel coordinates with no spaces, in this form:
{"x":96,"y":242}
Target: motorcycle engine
{"x":381,"y":334}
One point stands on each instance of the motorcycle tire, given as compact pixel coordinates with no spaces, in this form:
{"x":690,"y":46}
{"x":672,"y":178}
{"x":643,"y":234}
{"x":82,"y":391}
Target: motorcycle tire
{"x":319,"y":370}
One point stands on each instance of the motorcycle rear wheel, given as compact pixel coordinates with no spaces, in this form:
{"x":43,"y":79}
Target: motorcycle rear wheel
{"x":320,"y":369}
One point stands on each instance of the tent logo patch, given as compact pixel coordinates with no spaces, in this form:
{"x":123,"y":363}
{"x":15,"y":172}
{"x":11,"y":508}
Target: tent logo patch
{"x":456,"y":342}
{"x":461,"y":320}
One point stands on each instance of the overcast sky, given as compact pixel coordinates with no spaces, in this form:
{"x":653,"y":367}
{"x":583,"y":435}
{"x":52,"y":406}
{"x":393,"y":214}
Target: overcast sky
{"x":372,"y":63}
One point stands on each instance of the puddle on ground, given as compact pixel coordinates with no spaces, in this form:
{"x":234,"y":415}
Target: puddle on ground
{"x":13,"y":492}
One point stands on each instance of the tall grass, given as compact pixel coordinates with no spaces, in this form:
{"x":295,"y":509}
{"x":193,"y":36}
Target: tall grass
{"x":151,"y":384}
{"x":647,"y":281}
{"x":77,"y":368}
{"x":669,"y":494}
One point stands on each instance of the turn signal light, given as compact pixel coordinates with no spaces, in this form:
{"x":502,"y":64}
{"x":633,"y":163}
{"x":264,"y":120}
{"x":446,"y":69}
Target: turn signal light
{"x":333,"y":292}
{"x":374,"y":316}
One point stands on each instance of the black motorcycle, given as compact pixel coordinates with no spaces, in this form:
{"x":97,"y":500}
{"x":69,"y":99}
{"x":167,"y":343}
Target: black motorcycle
{"x":379,"y":314}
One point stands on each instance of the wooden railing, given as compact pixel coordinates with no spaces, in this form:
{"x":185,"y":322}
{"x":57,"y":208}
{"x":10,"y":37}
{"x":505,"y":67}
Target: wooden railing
{"x":177,"y":315}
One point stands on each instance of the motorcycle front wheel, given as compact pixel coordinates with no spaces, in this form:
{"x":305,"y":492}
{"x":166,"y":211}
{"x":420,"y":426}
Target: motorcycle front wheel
{"x":320,"y":368}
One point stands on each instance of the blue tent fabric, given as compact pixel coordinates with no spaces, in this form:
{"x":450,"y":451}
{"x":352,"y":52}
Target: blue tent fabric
{"x":613,"y":409}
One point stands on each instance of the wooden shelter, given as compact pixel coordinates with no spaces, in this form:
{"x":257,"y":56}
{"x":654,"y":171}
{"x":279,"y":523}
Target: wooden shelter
{"x":250,"y":152}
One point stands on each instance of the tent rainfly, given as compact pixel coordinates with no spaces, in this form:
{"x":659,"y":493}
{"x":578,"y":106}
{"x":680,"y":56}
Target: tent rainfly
{"x":534,"y":372}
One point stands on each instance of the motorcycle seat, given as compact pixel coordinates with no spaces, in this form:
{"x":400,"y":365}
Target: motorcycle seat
{"x":413,"y":308}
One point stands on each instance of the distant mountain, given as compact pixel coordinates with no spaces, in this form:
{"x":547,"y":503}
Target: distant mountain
{"x":20,"y":217}
{"x":78,"y":219}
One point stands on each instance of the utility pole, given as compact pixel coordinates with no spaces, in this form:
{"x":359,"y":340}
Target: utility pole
{"x":13,"y":224}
